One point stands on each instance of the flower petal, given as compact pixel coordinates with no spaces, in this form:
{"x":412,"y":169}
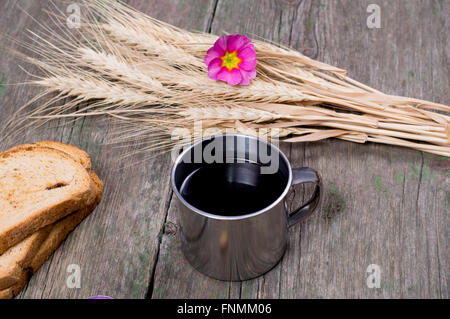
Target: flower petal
{"x":247,"y":65}
{"x":221,"y":44}
{"x":247,"y":76}
{"x":233,"y":78}
{"x":246,"y":40}
{"x":235,"y":42}
{"x":247,"y":52}
{"x":214,"y":67}
{"x":212,"y":53}
{"x":248,"y":57}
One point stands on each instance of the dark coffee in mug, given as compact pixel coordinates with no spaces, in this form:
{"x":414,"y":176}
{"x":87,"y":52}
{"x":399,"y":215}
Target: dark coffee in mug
{"x":232,"y":189}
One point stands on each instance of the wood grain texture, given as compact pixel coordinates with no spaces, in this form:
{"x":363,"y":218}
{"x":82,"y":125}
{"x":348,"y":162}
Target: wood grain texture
{"x":382,"y":205}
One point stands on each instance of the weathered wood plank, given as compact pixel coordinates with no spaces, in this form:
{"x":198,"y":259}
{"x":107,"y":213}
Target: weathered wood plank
{"x":395,"y":209}
{"x":116,"y":247}
{"x":382,"y":205}
{"x":386,"y":217}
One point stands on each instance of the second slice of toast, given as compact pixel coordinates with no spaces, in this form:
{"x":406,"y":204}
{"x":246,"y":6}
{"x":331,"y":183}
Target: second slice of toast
{"x":20,"y":256}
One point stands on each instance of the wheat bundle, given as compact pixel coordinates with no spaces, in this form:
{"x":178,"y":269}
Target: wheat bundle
{"x":152,"y":77}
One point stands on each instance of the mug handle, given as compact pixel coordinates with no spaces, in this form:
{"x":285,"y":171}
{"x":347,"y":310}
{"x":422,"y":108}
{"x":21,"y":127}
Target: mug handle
{"x":300,"y":176}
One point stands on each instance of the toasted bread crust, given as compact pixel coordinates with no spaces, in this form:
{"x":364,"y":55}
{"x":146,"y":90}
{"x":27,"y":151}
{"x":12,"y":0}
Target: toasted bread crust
{"x":20,"y":257}
{"x":79,"y":155}
{"x":6,"y":293}
{"x":11,"y":277}
{"x":15,"y":289}
{"x":13,"y":233}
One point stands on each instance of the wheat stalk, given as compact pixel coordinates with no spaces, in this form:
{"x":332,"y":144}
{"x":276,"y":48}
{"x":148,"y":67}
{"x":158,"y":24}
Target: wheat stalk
{"x":111,"y":65}
{"x":139,"y":40}
{"x":90,"y":89}
{"x":228,"y":113}
{"x":151,"y":77}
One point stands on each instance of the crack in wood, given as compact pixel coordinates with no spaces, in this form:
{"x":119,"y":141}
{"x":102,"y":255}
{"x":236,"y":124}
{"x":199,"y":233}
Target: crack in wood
{"x":211,"y":18}
{"x":151,"y":286}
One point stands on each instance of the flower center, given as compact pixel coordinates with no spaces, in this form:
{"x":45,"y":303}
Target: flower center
{"x":231,"y":60}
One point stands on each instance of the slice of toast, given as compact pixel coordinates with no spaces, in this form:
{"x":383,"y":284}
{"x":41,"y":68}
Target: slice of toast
{"x":79,"y":155}
{"x":56,"y":236}
{"x":38,"y":186}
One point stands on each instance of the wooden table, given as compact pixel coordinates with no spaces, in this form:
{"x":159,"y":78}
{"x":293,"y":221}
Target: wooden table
{"x":382,"y":205}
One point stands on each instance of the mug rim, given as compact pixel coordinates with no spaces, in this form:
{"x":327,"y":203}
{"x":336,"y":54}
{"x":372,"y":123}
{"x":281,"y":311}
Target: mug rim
{"x":223,"y":217}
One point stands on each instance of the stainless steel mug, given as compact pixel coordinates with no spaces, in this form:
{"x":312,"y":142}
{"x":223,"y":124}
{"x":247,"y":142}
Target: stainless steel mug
{"x":245,"y":246}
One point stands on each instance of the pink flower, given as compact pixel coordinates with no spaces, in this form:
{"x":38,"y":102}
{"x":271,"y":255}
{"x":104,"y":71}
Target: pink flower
{"x":232,"y":59}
